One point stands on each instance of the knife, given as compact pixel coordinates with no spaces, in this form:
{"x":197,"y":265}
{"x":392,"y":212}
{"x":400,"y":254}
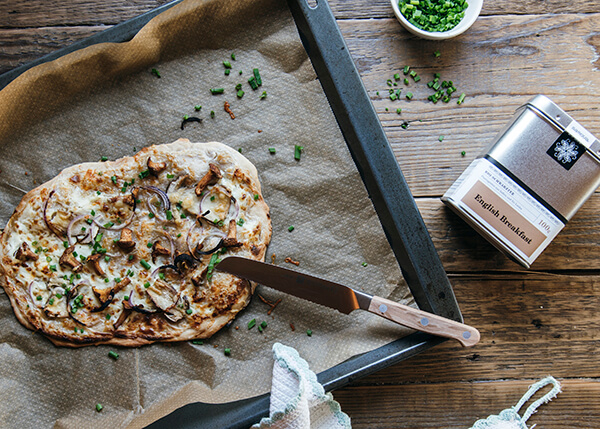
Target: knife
{"x":346,"y":299}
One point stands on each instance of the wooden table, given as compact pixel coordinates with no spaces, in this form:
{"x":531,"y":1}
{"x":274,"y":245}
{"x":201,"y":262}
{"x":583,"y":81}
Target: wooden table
{"x":534,"y":323}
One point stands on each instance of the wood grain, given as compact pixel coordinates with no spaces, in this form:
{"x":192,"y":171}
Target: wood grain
{"x":532,"y":322}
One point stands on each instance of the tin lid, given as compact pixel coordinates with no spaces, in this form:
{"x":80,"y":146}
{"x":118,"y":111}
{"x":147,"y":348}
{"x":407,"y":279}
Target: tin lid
{"x":564,"y":122}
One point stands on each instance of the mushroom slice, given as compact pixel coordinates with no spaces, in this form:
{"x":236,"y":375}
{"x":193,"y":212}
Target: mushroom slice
{"x":106,"y":295}
{"x":212,"y":176}
{"x":231,"y":239}
{"x":67,"y":259}
{"x":155,"y":167}
{"x":24,"y":253}
{"x":126,"y":240}
{"x":95,"y":260}
{"x":176,"y":313}
{"x":163,"y":295}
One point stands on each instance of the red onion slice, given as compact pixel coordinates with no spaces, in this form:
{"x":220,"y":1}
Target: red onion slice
{"x":203,"y":209}
{"x":215,"y":233}
{"x":162,"y":194}
{"x":70,"y":237}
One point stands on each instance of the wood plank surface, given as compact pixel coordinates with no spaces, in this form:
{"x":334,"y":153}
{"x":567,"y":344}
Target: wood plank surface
{"x":533,"y":322}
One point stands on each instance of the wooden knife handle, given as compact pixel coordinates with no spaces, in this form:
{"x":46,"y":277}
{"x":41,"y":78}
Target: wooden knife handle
{"x":423,"y":321}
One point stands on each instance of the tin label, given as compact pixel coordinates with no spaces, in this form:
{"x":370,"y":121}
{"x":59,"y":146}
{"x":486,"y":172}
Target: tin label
{"x":505,"y":209}
{"x":582,"y":135}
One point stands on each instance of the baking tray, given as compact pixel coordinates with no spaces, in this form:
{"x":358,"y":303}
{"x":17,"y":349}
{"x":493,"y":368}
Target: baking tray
{"x":383,"y":179}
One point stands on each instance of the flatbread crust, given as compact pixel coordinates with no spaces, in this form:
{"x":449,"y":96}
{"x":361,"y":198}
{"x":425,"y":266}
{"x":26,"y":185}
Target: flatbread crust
{"x":122,"y":252}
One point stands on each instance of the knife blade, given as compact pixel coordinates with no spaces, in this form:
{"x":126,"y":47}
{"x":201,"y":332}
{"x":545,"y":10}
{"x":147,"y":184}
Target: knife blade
{"x":345,"y":299}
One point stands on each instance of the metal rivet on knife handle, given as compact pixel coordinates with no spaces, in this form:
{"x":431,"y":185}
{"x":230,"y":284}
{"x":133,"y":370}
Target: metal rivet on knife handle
{"x":425,"y":322}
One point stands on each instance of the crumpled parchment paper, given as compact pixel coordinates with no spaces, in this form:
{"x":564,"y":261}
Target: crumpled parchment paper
{"x":105,"y":101}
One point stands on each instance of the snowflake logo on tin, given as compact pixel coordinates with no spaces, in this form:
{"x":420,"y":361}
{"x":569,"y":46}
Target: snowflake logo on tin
{"x":566,"y":150}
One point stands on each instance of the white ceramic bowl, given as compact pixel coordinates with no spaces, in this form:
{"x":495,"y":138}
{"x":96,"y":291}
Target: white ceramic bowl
{"x":471,"y":14}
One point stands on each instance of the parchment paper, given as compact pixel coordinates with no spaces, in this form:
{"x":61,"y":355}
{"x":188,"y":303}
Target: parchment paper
{"x":104,"y":101}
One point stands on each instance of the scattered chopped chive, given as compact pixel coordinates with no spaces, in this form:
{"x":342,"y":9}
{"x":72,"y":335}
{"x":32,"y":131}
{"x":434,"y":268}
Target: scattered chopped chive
{"x":240,"y":93}
{"x":155,"y":72}
{"x":169,"y":215}
{"x":396,"y":76}
{"x":441,"y":138}
{"x":309,"y":332}
{"x":252,"y":82}
{"x":264,"y":94}
{"x":214,"y":91}
{"x":240,"y":221}
{"x":240,"y":72}
{"x":387,"y":109}
{"x":183,"y":216}
{"x":113,"y":355}
{"x":263,"y":324}
{"x":145,"y":264}
{"x":240,"y":150}
{"x":149,"y":244}
{"x":186,"y":117}
{"x":126,"y":297}
{"x":189,"y":311}
{"x":257,"y":77}
{"x":412,"y":73}
{"x":463,"y":153}
{"x":179,"y":235}
{"x":406,"y":70}
{"x":48,"y":259}
{"x":99,"y":406}
{"x":227,"y":64}
{"x":150,"y":215}
{"x":398,"y":110}
{"x":130,"y":273}
{"x":212,"y":197}
{"x":59,"y":295}
{"x":417,"y":78}
{"x":161,"y":276}
{"x":39,"y":298}
{"x":461,"y":98}
{"x":227,"y":352}
{"x":260,"y":329}
{"x":130,"y":257}
{"x":233,"y":56}
{"x":197,"y":342}
{"x":109,"y":225}
{"x":104,"y":158}
{"x":144,"y":174}
{"x":290,"y":228}
{"x":212,"y":113}
{"x":52,"y":267}
{"x":298,"y":152}
{"x":436,"y":54}
{"x":238,"y":87}
{"x":197,"y":109}
{"x":256,"y":197}
{"x":364,"y":264}
{"x":227,"y":72}
{"x":98,"y":192}
{"x":272,"y":150}
{"x":147,"y":285}
{"x":393,"y":97}
{"x":107,"y":317}
{"x":409,"y":95}
{"x":252,"y":324}
{"x":389,"y":82}
{"x":106,"y":258}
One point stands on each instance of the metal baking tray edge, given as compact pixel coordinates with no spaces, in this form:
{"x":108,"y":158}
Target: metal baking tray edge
{"x":383,"y":179}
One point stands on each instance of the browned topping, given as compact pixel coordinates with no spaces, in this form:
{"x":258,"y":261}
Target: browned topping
{"x":158,"y":249}
{"x":121,"y":284}
{"x":237,"y":327}
{"x":124,"y":315}
{"x":75,"y":179}
{"x":130,"y":199}
{"x":273,"y":256}
{"x":24,"y":253}
{"x":126,"y":241}
{"x":95,"y":260}
{"x":269,"y":303}
{"x":103,"y":294}
{"x":67,"y":259}
{"x":293,"y":328}
{"x":260,"y":131}
{"x":291,"y":261}
{"x":255,"y":250}
{"x":212,"y":176}
{"x":155,"y":167}
{"x":231,"y":239}
{"x":187,"y":180}
{"x":228,"y":110}
{"x":199,"y":279}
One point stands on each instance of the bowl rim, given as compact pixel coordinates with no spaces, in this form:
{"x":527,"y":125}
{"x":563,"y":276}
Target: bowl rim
{"x":471,"y":14}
